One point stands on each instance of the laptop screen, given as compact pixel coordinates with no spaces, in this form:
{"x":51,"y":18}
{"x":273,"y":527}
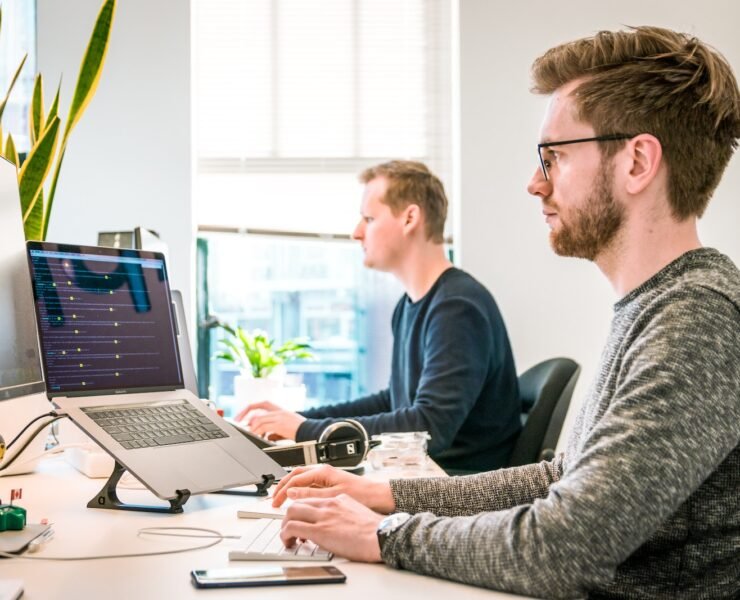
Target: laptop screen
{"x":104,"y":318}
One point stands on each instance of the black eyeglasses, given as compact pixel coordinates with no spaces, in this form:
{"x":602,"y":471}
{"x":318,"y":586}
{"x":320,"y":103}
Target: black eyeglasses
{"x":600,"y":138}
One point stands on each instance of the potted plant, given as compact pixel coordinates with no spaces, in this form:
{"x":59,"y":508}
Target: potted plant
{"x":260,"y":361}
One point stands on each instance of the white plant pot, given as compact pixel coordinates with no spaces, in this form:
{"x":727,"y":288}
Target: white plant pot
{"x":249,"y":390}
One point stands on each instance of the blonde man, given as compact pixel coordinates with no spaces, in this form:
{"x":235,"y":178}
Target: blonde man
{"x":452,"y":369}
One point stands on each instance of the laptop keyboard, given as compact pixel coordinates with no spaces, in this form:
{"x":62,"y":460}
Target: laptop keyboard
{"x":150,"y":425}
{"x":262,"y":542}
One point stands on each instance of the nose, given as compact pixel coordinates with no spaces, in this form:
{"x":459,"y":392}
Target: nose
{"x":358,"y":233}
{"x":538,"y":185}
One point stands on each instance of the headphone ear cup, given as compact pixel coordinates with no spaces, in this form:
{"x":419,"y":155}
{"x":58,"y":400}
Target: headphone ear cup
{"x":347,"y":431}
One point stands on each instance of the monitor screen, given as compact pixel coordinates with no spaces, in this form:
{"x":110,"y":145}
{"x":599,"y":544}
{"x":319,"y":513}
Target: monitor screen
{"x":105,"y":319}
{"x":20,"y":369}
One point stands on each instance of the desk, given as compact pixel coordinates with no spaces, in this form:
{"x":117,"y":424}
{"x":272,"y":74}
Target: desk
{"x":58,"y":492}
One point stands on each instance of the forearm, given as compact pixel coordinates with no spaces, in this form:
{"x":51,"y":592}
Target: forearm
{"x":472,"y":494}
{"x":367,"y":405}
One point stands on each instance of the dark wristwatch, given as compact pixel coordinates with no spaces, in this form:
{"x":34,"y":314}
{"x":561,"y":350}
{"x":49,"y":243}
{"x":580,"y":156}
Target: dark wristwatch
{"x":390,"y":524}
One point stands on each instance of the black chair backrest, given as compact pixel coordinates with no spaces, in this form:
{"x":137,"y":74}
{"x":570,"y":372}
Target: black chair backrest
{"x":545,"y":391}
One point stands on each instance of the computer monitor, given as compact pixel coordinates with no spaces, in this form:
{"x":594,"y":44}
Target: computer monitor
{"x":22,"y":390}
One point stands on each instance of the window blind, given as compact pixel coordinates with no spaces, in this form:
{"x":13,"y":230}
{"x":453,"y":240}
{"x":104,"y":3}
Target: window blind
{"x":293,"y":98}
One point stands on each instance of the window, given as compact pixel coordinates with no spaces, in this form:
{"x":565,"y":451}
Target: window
{"x":18,"y":38}
{"x":293,"y":98}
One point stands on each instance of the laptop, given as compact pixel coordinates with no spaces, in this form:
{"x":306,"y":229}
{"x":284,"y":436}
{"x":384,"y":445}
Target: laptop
{"x":110,"y":358}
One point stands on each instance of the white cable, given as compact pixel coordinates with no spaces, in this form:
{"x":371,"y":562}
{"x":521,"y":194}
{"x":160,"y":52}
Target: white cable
{"x":147,"y":531}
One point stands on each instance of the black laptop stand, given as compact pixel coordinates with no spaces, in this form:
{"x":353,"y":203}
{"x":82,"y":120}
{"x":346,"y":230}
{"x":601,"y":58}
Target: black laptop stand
{"x":107,"y":497}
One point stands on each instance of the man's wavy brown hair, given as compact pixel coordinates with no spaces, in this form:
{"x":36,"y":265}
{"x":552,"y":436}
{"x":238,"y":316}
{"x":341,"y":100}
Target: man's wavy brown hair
{"x":657,"y":81}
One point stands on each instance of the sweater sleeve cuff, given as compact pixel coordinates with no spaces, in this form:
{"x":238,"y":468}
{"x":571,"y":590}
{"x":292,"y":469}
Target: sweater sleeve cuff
{"x":311,"y":429}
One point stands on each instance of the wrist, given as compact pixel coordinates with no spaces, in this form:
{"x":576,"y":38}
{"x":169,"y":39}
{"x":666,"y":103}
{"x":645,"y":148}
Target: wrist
{"x":379,"y":497}
{"x":388,"y":527}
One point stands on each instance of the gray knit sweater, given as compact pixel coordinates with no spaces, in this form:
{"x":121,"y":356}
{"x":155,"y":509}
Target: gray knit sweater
{"x":645,"y":503}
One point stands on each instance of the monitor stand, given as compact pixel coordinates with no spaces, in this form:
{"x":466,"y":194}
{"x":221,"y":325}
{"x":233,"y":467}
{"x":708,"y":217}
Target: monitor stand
{"x":15,"y":414}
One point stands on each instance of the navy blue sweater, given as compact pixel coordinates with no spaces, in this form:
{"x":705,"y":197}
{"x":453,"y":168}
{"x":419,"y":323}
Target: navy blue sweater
{"x":452,"y":374}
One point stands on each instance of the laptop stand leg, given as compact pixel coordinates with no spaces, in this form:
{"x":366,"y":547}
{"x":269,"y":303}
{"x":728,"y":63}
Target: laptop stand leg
{"x":267,"y":481}
{"x":108,"y":497}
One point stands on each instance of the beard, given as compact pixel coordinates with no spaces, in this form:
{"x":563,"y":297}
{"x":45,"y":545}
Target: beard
{"x":586,"y":232}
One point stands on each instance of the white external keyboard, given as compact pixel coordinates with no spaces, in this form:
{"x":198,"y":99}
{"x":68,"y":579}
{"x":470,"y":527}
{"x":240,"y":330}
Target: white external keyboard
{"x":262,"y":542}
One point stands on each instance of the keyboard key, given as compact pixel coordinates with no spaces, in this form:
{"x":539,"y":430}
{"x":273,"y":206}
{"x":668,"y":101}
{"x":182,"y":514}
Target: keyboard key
{"x":173,"y":439}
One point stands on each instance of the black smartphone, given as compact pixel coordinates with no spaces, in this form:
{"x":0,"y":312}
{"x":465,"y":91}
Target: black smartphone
{"x":258,"y":575}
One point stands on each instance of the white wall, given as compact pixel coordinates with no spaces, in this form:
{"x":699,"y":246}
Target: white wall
{"x":128,"y":160}
{"x":552,"y":305}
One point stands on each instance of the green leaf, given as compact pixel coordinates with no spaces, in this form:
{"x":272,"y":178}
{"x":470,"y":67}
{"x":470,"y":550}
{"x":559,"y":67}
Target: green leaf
{"x":33,"y":225}
{"x":12,"y":84}
{"x":36,"y":110}
{"x":92,"y":66}
{"x":36,"y":167}
{"x":55,"y":103}
{"x":10,"y":152}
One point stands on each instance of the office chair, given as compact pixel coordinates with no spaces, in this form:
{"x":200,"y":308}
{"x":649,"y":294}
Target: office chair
{"x":545,"y":390}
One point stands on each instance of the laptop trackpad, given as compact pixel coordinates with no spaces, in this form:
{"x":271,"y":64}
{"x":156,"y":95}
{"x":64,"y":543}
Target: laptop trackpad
{"x":212,"y":468}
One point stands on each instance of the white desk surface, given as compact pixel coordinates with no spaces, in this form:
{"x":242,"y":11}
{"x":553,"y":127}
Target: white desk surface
{"x":59,"y":493}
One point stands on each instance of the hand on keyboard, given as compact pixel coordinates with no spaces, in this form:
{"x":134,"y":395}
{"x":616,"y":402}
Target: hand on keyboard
{"x":341,"y":525}
{"x":262,"y":542}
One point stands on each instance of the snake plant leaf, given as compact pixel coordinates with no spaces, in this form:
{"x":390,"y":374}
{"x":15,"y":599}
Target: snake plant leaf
{"x":33,"y":225}
{"x":54,"y":104}
{"x":92,"y":66}
{"x":10,"y":152}
{"x":36,"y":166}
{"x":36,"y":110}
{"x":12,"y":84}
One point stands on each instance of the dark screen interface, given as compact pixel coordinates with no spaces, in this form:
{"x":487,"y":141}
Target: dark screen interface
{"x":104,"y":321}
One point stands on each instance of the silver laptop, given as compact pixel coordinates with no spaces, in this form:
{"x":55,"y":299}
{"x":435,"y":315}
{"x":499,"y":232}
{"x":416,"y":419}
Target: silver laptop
{"x":111,"y":362}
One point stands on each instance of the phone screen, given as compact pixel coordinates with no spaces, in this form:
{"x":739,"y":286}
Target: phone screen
{"x":266,"y":575}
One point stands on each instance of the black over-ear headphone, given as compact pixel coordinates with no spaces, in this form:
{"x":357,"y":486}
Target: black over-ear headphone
{"x":342,"y":444}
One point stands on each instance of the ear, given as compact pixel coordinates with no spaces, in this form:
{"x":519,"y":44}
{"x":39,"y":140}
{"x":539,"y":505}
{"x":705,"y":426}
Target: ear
{"x":644,"y":161}
{"x":411,"y":218}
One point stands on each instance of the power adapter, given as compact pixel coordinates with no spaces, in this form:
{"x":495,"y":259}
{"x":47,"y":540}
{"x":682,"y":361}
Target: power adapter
{"x":90,"y":460}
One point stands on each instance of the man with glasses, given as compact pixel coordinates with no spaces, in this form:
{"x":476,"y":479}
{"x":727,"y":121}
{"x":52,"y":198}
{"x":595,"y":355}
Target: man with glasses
{"x":644,"y":503}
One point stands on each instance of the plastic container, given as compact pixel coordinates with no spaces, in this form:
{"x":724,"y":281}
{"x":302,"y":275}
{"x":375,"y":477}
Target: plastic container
{"x":400,"y":449}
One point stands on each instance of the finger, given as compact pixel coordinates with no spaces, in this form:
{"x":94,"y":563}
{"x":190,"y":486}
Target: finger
{"x":301,"y":493}
{"x":285,"y":481}
{"x":307,"y":511}
{"x":241,"y":414}
{"x":263,"y":405}
{"x":294,"y":530}
{"x":300,"y":477}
